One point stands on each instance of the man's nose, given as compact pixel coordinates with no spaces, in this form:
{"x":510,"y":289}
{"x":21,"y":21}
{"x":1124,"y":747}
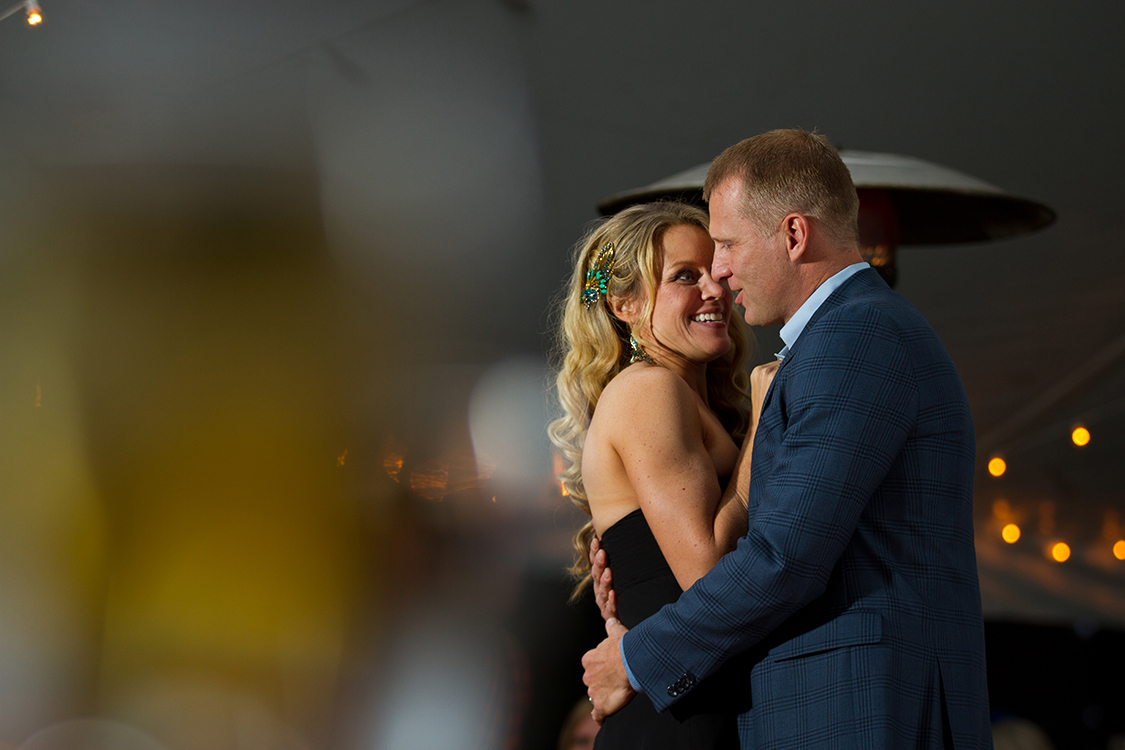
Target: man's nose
{"x":720,"y":268}
{"x":712,"y":288}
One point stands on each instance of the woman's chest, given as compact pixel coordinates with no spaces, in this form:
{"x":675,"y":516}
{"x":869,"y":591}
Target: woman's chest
{"x":719,"y":444}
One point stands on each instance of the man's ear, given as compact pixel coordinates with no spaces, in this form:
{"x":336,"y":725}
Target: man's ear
{"x":795,"y":227}
{"x":624,"y":310}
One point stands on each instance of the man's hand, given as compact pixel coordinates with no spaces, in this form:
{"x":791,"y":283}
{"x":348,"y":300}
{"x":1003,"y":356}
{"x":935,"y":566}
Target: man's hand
{"x":608,"y":685}
{"x":603,"y":581}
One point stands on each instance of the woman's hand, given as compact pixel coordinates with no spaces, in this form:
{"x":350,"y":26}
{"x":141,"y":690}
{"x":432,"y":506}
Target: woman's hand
{"x":760,"y":379}
{"x":603,"y":580}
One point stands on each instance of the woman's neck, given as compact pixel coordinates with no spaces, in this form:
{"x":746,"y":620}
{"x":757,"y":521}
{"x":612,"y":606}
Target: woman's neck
{"x":693,"y":373}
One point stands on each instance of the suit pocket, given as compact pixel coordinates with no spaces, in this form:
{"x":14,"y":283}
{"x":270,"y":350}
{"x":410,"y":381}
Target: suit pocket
{"x":849,"y":629}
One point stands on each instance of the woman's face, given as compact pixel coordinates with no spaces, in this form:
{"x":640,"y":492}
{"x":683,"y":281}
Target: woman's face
{"x":691,"y":310}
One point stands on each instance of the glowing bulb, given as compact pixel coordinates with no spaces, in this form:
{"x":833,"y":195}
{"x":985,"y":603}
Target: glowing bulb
{"x":1119,"y":549}
{"x":1060,"y":551}
{"x":1011,"y":533}
{"x":34,"y":13}
{"x":1080,"y":436}
{"x":997,"y":467}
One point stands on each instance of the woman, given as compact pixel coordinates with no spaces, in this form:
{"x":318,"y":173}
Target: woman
{"x":654,"y":401}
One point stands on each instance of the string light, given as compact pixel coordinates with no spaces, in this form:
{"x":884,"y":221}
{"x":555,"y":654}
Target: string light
{"x":34,"y":12}
{"x":1060,"y":551}
{"x":1010,"y":533}
{"x":997,"y":467}
{"x":1080,"y":436}
{"x":1119,"y":549}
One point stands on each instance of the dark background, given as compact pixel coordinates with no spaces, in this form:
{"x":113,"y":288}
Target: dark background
{"x":276,"y":282}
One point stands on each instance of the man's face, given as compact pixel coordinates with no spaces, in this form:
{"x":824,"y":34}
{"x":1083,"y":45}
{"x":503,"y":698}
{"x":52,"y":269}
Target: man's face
{"x":755,"y":266}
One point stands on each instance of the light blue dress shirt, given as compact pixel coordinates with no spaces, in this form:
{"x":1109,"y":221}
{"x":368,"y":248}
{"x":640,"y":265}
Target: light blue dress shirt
{"x":789,"y":333}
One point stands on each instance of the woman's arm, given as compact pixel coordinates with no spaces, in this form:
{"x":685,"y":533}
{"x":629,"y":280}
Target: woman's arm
{"x":729,"y":516}
{"x":658,"y":434}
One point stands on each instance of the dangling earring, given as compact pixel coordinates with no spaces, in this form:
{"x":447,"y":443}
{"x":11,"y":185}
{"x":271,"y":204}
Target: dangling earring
{"x":637,"y":352}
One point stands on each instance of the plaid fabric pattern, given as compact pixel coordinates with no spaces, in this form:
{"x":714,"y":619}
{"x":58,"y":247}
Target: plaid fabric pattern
{"x":853,"y":597}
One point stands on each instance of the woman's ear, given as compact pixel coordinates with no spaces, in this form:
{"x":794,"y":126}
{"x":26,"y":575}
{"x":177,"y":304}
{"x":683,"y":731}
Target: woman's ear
{"x":624,"y":310}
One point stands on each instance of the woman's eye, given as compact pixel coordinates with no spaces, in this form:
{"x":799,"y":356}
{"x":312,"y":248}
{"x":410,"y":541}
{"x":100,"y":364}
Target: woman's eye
{"x":685,"y":276}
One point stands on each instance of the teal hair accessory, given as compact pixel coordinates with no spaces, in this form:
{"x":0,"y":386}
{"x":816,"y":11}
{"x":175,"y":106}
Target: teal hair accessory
{"x":597,"y":278}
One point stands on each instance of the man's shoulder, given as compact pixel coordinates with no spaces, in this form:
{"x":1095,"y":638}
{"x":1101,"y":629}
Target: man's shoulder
{"x":866,"y":297}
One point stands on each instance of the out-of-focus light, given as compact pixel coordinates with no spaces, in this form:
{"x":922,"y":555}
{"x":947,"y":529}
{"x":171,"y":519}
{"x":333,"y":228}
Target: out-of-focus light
{"x":342,"y":458}
{"x":34,"y":12}
{"x":1119,"y":549}
{"x":1001,"y":509}
{"x":1080,"y":436}
{"x":1060,"y":552}
{"x":430,"y":480}
{"x":997,"y":467}
{"x":1011,"y":533}
{"x":392,"y":464}
{"x":557,"y":461}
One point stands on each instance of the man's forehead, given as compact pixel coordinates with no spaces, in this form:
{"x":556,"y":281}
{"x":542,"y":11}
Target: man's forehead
{"x":721,"y":209}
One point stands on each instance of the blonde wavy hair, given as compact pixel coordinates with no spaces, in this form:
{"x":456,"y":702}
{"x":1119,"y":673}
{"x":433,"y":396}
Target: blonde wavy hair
{"x":592,"y":345}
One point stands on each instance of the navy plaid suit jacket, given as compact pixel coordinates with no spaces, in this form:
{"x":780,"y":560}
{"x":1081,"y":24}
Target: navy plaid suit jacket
{"x":853,"y":598}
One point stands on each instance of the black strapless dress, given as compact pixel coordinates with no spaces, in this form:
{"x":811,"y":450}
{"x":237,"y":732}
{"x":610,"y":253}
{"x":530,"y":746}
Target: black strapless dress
{"x":644,"y":583}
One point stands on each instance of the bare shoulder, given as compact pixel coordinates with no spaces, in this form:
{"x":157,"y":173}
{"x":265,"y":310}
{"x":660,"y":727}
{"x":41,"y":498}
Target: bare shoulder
{"x":642,"y":401}
{"x":646,"y":388}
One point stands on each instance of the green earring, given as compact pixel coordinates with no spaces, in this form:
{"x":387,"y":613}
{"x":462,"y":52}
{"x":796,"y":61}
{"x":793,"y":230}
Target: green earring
{"x":637,"y":352}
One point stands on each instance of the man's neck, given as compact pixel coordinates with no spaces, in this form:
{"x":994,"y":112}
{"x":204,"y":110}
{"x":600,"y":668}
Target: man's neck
{"x":797,"y":322}
{"x":814,"y":274}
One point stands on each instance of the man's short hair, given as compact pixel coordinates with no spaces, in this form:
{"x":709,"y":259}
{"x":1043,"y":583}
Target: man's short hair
{"x":785,"y":171}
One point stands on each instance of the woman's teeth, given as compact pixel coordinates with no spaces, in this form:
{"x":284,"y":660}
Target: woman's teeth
{"x":708,"y":318}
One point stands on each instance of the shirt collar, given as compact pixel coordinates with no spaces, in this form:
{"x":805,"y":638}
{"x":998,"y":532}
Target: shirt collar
{"x":791,"y":330}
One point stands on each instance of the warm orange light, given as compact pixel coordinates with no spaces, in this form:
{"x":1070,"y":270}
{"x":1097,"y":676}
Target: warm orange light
{"x":1001,"y":510}
{"x":1080,"y":436}
{"x":392,"y":464}
{"x":1119,"y":549}
{"x":557,"y":459}
{"x":997,"y":467}
{"x":1011,"y":533}
{"x":34,"y":19}
{"x":1060,"y":552}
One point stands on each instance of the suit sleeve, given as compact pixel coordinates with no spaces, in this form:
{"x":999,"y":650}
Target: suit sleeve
{"x":836,"y":419}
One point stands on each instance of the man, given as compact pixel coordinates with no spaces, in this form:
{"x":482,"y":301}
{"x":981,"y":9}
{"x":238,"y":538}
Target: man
{"x":853,"y":596}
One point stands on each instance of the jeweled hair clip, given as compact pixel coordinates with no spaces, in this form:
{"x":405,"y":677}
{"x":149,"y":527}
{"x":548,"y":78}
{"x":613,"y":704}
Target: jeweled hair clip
{"x":597,"y":278}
